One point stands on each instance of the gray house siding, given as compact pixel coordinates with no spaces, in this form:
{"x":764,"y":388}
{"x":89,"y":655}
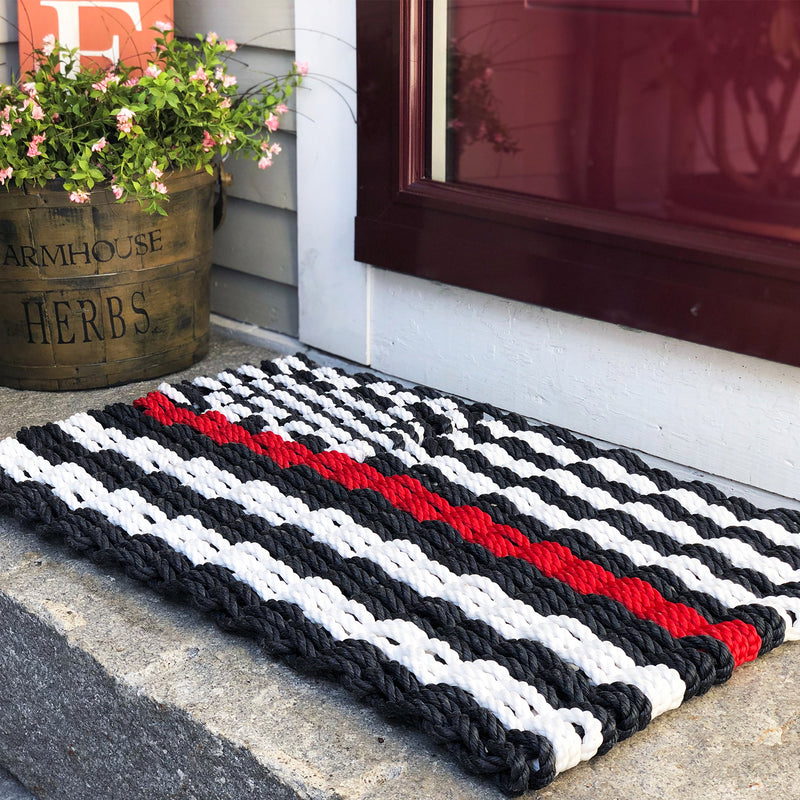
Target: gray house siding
{"x":254,"y":278}
{"x":9,"y":48}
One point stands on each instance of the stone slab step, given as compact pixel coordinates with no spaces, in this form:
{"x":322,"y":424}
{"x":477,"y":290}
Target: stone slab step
{"x":12,"y":789}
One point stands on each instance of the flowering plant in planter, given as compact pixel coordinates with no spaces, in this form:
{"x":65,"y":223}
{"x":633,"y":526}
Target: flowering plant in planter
{"x":128,"y":127}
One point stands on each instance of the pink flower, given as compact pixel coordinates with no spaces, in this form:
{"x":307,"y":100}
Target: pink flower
{"x":99,"y":145}
{"x":132,"y":81}
{"x":152,"y":71}
{"x":230,"y":45}
{"x":163,"y":26}
{"x":124,"y":118}
{"x":155,"y":171}
{"x":56,"y":117}
{"x":212,"y":37}
{"x":117,"y":190}
{"x":5,"y":129}
{"x":79,"y":196}
{"x":228,"y":81}
{"x":281,"y":108}
{"x":6,"y":112}
{"x":102,"y":86}
{"x":264,"y":162}
{"x":36,"y":111}
{"x":158,"y":187}
{"x":272,"y":122}
{"x":270,"y":149}
{"x":208,"y":142}
{"x":29,"y":88}
{"x":199,"y":74}
{"x":48,"y":44}
{"x":5,"y":174}
{"x":33,"y":146}
{"x":301,"y":68}
{"x":225,"y":102}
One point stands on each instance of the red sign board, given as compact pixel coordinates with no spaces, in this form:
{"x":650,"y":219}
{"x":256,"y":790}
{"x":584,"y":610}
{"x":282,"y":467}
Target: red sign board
{"x":103,"y":31}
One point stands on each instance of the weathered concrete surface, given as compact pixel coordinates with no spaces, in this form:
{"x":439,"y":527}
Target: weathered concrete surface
{"x":12,"y":789}
{"x":110,"y":692}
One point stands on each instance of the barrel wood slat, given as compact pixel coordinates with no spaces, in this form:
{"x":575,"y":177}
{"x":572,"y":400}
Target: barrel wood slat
{"x":103,"y":293}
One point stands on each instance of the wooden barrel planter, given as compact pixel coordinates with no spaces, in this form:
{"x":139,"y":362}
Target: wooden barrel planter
{"x":103,"y":293}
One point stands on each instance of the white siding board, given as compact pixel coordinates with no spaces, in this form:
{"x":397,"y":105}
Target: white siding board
{"x":259,"y":241}
{"x":8,"y":21}
{"x":334,"y":289}
{"x":723,"y":413}
{"x":275,"y":186}
{"x":246,"y":298}
{"x":255,"y":251}
{"x":9,"y":61}
{"x":265,"y":23}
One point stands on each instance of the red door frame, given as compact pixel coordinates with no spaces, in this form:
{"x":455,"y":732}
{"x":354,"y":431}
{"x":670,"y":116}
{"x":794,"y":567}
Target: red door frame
{"x":726,"y":290}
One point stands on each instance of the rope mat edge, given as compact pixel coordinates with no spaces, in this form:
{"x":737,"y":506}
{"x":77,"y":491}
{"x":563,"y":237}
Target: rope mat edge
{"x":522,"y":596}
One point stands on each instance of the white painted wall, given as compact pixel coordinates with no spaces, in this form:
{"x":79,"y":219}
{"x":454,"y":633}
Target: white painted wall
{"x":727,"y":414}
{"x":333,"y":288}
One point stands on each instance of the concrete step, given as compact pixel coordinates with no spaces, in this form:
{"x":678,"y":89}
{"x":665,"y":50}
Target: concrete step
{"x":12,"y":789}
{"x":110,"y":692}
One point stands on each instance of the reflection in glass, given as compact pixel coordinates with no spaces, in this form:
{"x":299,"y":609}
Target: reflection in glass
{"x":671,"y":109}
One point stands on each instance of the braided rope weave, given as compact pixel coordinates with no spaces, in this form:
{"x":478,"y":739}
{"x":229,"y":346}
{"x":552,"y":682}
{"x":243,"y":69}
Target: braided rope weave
{"x":520,"y":595}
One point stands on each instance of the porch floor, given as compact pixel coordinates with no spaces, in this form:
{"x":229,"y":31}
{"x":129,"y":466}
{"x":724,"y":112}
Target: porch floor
{"x":109,"y":692}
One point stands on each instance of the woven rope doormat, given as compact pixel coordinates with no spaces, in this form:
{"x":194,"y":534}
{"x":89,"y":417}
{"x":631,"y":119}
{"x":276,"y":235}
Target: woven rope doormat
{"x":523,"y":597}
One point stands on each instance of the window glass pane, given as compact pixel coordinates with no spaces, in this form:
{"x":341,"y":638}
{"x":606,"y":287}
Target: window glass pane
{"x":671,"y":109}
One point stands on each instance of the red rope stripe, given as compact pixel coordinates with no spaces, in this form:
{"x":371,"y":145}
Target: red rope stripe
{"x":473,"y":524}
